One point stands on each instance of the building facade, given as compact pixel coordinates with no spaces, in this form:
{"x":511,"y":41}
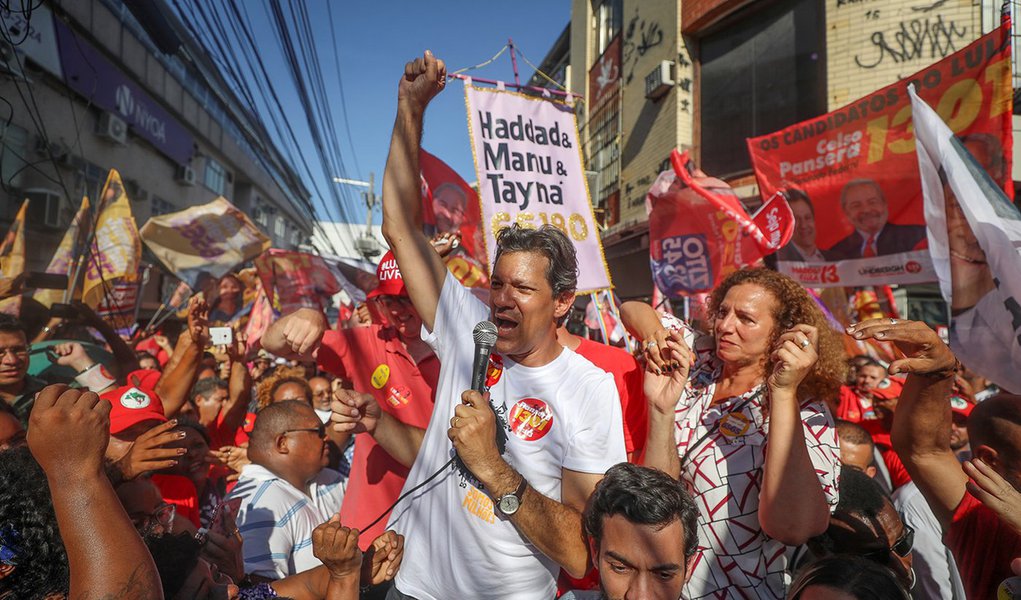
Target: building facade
{"x":704,"y":75}
{"x":88,"y":90}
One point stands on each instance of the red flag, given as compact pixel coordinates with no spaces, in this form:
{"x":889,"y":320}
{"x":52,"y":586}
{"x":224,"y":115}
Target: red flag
{"x":699,"y":232}
{"x":450,"y":205}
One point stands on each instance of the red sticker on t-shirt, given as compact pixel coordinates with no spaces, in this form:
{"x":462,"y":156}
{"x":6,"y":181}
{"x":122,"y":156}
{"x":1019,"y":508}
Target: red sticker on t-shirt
{"x":398,"y":397}
{"x":495,"y":370}
{"x":531,"y":419}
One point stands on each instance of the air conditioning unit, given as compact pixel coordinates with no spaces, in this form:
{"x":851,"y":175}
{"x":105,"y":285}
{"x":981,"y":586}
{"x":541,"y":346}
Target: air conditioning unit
{"x":113,"y":128}
{"x":44,"y":207}
{"x":185,"y":175}
{"x":660,"y":80}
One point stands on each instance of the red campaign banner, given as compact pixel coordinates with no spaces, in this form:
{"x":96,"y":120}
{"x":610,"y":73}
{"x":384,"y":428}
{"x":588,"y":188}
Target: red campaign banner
{"x":699,"y":232}
{"x":449,"y":205}
{"x":851,"y":175}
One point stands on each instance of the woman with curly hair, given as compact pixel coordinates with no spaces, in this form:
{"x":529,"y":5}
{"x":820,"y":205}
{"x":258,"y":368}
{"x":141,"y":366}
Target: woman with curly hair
{"x":285,"y":383}
{"x":738,"y":414}
{"x":33,"y":563}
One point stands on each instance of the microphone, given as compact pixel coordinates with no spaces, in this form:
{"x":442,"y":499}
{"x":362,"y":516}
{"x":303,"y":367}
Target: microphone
{"x":484,"y":335}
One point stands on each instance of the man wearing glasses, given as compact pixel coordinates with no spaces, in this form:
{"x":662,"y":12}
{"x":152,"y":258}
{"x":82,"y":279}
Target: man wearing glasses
{"x":17,"y":388}
{"x":286,"y":492}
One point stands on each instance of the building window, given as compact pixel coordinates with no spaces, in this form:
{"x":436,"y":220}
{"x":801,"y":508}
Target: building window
{"x":760,"y":73}
{"x":161,"y":206}
{"x":215,"y":177}
{"x":609,"y":14}
{"x":280,"y":228}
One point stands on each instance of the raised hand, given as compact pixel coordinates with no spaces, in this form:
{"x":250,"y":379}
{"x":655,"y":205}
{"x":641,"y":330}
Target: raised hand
{"x":423,"y":79}
{"x":991,"y":489}
{"x":383,"y":558}
{"x":152,"y":451}
{"x":72,"y":354}
{"x":304,"y":330}
{"x":68,"y":431}
{"x":794,"y":355}
{"x":668,"y":361}
{"x":924,"y":353}
{"x":198,"y":320}
{"x":337,"y":547}
{"x":354,"y":412}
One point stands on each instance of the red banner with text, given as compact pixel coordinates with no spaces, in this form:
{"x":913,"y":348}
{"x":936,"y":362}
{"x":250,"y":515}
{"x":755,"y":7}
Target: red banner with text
{"x":851,"y":175}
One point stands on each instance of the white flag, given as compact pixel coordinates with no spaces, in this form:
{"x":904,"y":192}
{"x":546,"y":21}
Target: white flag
{"x":978,"y":260}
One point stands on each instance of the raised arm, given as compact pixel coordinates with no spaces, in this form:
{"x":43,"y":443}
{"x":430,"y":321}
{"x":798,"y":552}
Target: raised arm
{"x":297,"y":335}
{"x":239,"y":386}
{"x":355,"y":412}
{"x":421,"y":267}
{"x":179,"y":376}
{"x":668,"y":360}
{"x":921,"y":423}
{"x":68,"y":433}
{"x":792,"y":504}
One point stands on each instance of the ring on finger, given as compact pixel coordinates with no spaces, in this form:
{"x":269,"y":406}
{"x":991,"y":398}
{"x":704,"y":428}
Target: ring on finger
{"x":454,"y":421}
{"x":893,"y":321}
{"x":651,"y":344}
{"x":804,"y":343}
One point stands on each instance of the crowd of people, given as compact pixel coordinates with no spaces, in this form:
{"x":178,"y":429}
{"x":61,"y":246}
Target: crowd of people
{"x":742,"y":456}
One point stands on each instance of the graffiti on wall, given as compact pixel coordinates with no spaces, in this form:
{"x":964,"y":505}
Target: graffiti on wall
{"x":922,"y":38}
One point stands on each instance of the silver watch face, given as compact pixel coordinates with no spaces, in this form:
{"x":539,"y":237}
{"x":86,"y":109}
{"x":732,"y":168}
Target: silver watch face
{"x":509,"y":504}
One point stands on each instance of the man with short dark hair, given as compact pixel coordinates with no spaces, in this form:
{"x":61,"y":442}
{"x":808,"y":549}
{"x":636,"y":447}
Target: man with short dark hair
{"x":507,"y":514}
{"x":642,"y":527}
{"x":17,"y":388}
{"x":286,"y":492}
{"x":857,"y":450}
{"x":865,"y":522}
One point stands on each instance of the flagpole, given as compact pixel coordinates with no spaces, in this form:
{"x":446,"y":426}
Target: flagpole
{"x":599,"y":317}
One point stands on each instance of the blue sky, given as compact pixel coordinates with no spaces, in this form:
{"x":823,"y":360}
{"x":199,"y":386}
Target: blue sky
{"x":375,"y":40}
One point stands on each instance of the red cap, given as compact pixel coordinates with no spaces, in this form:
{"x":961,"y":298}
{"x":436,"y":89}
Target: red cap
{"x":390,"y":281}
{"x":960,"y":405}
{"x":131,"y":405}
{"x":144,"y":378}
{"x":889,"y":388}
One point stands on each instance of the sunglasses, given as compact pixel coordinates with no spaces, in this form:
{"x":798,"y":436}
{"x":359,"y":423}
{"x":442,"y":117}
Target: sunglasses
{"x":902,"y":547}
{"x":320,"y":431}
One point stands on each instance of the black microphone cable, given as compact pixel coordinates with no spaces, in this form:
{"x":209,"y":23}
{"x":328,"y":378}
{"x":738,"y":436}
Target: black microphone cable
{"x":445,"y":466}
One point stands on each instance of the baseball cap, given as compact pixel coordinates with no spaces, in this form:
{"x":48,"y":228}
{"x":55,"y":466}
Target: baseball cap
{"x":144,"y":378}
{"x":131,"y":405}
{"x":390,"y":281}
{"x":960,"y":405}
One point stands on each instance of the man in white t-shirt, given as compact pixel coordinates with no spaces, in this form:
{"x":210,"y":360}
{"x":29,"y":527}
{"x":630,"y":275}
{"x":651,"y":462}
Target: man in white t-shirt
{"x":498,"y":524}
{"x":286,"y":492}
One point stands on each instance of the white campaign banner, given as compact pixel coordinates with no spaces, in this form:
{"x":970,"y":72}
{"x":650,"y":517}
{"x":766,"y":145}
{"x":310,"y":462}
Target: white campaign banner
{"x":975,"y":240}
{"x":904,"y":267}
{"x":530,"y":172}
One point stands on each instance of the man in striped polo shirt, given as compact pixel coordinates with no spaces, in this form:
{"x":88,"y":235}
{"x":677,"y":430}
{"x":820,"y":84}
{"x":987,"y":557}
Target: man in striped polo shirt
{"x":286,"y":492}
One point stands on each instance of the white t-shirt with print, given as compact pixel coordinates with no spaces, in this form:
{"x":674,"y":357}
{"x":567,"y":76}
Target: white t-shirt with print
{"x":563,"y":415}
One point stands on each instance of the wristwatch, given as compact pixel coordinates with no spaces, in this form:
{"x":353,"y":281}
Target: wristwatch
{"x":510,"y":503}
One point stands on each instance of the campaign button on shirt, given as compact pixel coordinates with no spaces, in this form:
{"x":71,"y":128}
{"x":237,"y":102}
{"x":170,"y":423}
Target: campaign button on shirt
{"x":380,"y":376}
{"x":531,"y":419}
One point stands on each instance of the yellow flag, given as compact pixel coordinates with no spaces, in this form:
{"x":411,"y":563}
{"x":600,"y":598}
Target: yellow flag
{"x":12,"y":258}
{"x":116,"y":249}
{"x":63,"y":260}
